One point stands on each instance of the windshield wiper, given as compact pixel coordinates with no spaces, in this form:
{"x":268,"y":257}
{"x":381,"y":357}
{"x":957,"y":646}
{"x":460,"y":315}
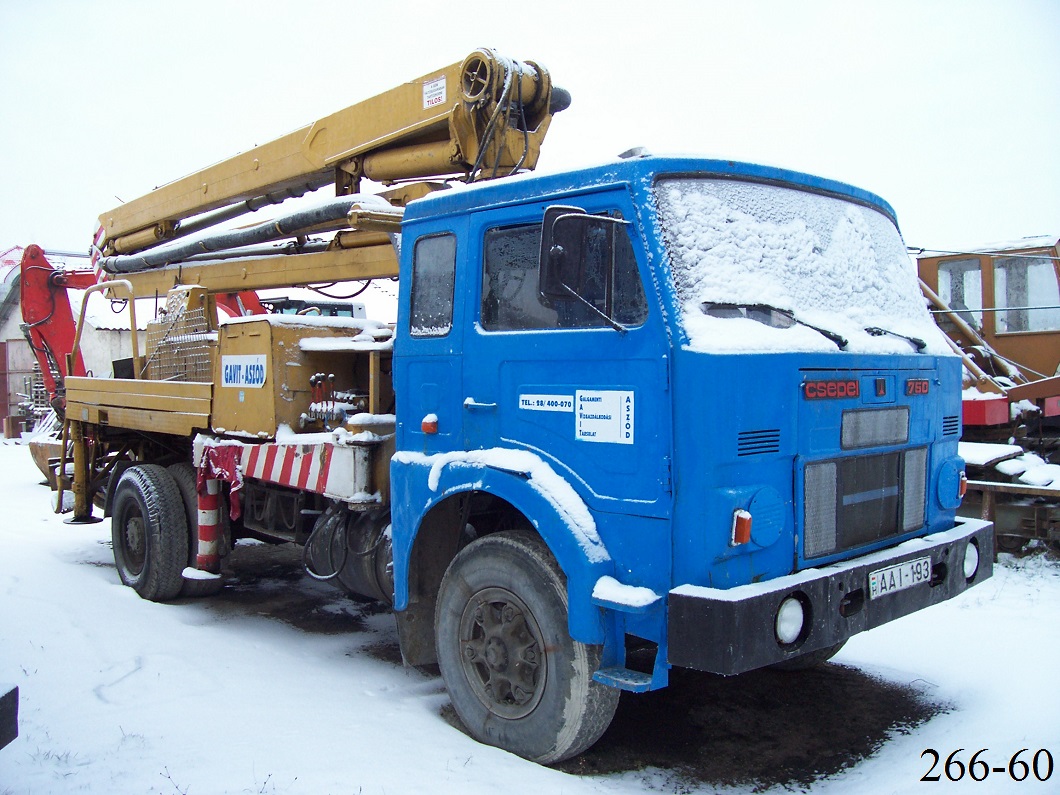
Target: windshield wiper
{"x":916,"y":342}
{"x":838,"y":339}
{"x":606,"y":317}
{"x":764,"y":313}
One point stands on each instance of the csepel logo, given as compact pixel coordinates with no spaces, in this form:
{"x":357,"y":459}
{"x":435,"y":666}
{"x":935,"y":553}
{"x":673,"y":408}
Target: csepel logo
{"x":817,"y":390}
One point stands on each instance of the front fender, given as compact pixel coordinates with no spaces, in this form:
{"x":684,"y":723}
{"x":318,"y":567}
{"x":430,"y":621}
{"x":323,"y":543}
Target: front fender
{"x":556,"y":511}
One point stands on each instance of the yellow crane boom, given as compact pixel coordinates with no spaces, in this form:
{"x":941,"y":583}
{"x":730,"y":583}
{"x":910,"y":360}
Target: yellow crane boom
{"x":483,"y":117}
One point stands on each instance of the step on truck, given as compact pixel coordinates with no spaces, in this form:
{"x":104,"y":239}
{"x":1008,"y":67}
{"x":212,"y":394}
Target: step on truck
{"x":664,"y":411}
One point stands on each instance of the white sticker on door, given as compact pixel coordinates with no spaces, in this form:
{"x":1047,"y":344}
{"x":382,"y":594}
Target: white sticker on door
{"x":604,"y":416}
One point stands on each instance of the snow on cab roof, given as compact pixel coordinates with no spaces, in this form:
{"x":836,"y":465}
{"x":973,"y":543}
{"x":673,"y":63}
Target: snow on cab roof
{"x":1036,"y":241}
{"x":998,"y":247}
{"x":629,"y":170}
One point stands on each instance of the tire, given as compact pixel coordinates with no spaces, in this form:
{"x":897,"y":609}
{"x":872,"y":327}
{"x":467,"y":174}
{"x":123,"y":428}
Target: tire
{"x":809,"y":660}
{"x":149,"y":532}
{"x":505,"y":596}
{"x":184,"y":476}
{"x":1011,"y":544}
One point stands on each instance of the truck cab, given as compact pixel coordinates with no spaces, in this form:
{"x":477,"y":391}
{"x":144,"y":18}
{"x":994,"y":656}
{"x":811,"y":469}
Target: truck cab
{"x":712,"y":389}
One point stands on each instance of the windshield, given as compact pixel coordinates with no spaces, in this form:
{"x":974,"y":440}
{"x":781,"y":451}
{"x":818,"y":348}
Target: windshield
{"x":830,"y":264}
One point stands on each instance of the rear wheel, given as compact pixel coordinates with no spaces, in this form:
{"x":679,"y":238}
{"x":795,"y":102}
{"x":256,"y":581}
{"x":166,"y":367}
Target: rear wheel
{"x":149,"y":532}
{"x":184,"y":476}
{"x":1011,"y":544}
{"x":516,"y":678}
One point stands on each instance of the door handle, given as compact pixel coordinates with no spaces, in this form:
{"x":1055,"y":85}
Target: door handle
{"x":473,"y":405}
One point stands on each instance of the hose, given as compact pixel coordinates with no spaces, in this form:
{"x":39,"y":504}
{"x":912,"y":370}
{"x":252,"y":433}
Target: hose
{"x":487,"y":135}
{"x":327,"y":525}
{"x":328,"y":212}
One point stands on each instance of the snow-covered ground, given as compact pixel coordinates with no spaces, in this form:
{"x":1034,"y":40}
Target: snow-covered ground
{"x":119,"y":695}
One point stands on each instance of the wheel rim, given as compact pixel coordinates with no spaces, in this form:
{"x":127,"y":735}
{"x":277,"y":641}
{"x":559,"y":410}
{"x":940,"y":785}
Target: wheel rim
{"x":501,"y":652}
{"x":134,"y":543}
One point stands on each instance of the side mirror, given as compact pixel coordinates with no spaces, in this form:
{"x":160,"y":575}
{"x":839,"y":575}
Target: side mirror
{"x":573,"y":243}
{"x":561,"y":256}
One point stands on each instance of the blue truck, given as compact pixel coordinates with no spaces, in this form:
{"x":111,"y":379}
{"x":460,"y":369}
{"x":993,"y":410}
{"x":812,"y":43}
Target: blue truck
{"x":665,"y":411}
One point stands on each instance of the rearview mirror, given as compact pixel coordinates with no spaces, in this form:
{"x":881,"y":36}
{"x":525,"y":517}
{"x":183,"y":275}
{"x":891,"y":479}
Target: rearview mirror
{"x":561,"y":255}
{"x":568,"y":235}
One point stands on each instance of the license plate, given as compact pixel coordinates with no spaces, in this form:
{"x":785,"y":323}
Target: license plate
{"x":899,"y":577}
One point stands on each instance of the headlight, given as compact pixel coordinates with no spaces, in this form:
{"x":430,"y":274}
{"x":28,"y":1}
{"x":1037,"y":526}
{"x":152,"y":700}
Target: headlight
{"x":971,"y":560}
{"x":790,"y":619}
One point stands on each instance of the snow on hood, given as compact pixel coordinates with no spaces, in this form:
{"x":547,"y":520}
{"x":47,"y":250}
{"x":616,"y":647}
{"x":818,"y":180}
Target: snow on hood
{"x":835,"y":264}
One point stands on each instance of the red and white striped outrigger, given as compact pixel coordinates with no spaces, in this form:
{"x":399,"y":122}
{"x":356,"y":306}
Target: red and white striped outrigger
{"x":335,"y":465}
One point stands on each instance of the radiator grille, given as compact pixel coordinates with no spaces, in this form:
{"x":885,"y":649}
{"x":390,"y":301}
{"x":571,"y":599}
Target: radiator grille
{"x":914,"y":479}
{"x":951,"y":426}
{"x":854,"y":501}
{"x":820,"y":509}
{"x":875,"y":427}
{"x":758,"y":442}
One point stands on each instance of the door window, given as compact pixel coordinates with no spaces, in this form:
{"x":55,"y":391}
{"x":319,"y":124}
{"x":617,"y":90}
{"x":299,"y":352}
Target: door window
{"x":511,"y":297}
{"x":433,"y":279}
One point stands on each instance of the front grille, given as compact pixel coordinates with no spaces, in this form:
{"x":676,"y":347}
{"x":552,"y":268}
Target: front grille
{"x":914,"y":484}
{"x":854,"y":501}
{"x":758,"y":442}
{"x":820,"y":509}
{"x":875,"y":427}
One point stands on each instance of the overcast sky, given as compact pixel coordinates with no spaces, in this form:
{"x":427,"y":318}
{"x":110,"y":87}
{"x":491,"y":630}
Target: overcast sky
{"x":950,"y":110}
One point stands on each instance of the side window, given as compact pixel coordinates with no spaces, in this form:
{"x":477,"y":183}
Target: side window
{"x":961,"y":287}
{"x":511,"y":289}
{"x":1025,"y":287}
{"x":510,"y":300}
{"x":612,"y":282}
{"x":433,"y":280}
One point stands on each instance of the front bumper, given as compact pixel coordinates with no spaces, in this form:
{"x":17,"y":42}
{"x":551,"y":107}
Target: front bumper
{"x":732,"y":631}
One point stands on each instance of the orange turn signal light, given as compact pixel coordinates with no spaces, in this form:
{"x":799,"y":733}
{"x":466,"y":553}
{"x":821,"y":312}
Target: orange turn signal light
{"x":741,"y":527}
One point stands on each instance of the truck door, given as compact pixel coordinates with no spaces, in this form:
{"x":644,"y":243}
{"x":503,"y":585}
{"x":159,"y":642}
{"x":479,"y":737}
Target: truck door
{"x":581,"y":380}
{"x":427,"y":374}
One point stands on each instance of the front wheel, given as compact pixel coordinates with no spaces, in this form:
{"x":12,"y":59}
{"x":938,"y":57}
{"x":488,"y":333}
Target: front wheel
{"x":516,"y":678}
{"x":149,"y":532}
